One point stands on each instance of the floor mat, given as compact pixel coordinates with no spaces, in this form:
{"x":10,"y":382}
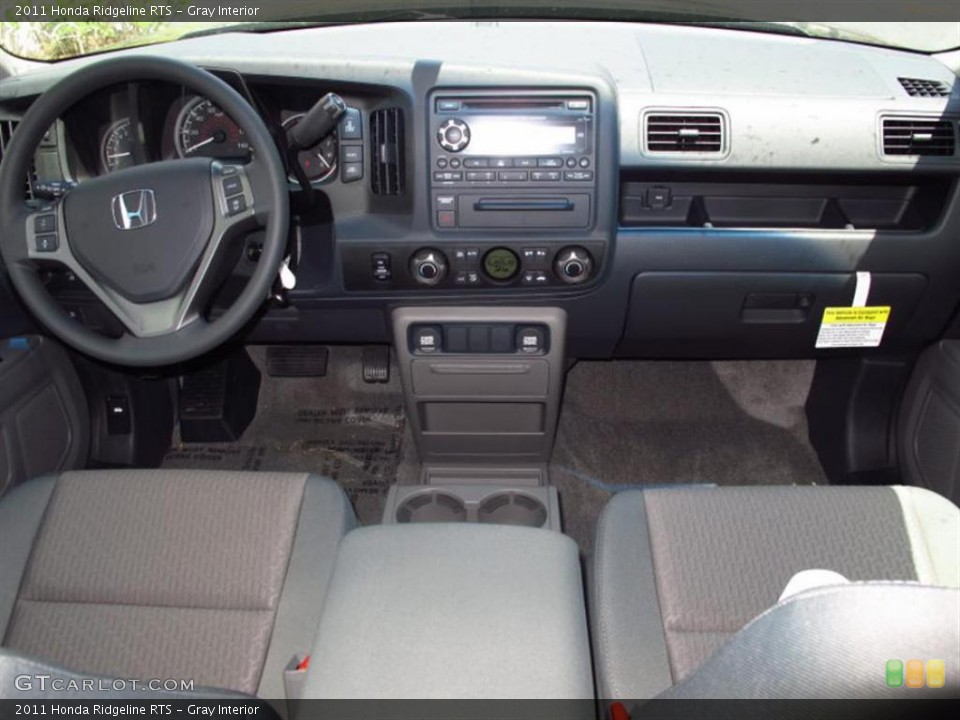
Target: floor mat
{"x":337,"y":426}
{"x":629,"y":424}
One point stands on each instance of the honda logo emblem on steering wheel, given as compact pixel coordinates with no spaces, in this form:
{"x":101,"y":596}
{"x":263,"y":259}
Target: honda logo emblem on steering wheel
{"x":134,"y":209}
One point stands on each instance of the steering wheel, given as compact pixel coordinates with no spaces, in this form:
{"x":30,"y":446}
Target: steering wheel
{"x":146,"y":240}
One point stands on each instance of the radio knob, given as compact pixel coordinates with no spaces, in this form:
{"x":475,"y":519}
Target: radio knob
{"x":428,"y":266}
{"x":453,"y":135}
{"x":573,"y":265}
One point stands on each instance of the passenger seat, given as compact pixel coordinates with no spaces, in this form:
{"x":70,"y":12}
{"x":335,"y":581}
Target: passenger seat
{"x":680,"y":572}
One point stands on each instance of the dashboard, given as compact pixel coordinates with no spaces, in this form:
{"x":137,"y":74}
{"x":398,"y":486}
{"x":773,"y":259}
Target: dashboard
{"x":676,"y":197}
{"x":141,"y":123}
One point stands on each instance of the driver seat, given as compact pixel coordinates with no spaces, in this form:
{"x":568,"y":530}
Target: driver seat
{"x":216,"y":577}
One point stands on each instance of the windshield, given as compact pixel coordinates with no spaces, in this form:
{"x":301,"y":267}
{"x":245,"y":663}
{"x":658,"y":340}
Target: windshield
{"x":79,"y":32}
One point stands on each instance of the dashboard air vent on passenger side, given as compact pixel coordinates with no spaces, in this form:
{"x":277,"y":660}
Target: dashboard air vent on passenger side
{"x":685,"y":132}
{"x":919,"y":136}
{"x":7,"y":128}
{"x":387,"y":156}
{"x":917,"y":87}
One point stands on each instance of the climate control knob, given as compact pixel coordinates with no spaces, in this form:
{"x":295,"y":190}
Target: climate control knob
{"x":573,"y":265}
{"x":428,"y":266}
{"x":453,"y":135}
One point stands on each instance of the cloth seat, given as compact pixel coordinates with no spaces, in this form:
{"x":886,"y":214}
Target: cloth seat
{"x":680,"y":571}
{"x":215,"y":577}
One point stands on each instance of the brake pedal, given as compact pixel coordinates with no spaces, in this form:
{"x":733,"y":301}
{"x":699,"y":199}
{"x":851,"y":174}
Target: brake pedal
{"x":376,"y":364}
{"x":297,"y":361}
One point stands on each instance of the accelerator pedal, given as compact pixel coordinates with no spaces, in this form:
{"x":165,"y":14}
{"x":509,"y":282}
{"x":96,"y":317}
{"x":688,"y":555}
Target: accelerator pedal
{"x":376,"y":364}
{"x":297,"y":360}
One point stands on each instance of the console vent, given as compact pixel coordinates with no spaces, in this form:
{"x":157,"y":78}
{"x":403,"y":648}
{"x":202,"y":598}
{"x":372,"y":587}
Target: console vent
{"x":684,"y":133}
{"x":916,"y":87}
{"x":917,"y":136}
{"x":386,"y":144}
{"x":7,"y":128}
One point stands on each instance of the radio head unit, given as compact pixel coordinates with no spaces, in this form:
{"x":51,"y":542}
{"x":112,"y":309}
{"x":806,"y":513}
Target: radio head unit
{"x":519,"y":160}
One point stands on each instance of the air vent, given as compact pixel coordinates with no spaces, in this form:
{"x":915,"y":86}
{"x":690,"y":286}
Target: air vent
{"x":386,"y":144}
{"x":685,"y":133}
{"x":918,"y":136}
{"x":916,"y":87}
{"x":7,"y":128}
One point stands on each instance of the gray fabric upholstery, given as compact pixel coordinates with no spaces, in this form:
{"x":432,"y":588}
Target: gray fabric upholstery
{"x":635,"y":652}
{"x":453,"y":611}
{"x":21,"y":514}
{"x":721,"y":557}
{"x":159,"y":574}
{"x":325,"y":517}
{"x":834,"y":643}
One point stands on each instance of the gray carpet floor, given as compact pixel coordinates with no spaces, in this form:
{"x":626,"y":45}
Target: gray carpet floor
{"x":634,"y":424}
{"x":337,"y":426}
{"x":622,"y":425}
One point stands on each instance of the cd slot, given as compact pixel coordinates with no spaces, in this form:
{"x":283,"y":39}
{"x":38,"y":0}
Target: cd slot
{"x":507,"y":104}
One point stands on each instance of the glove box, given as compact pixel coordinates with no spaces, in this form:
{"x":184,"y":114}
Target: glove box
{"x":752,"y":314}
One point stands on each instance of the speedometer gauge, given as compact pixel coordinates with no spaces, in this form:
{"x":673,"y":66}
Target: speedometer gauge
{"x":116,"y":148}
{"x":205,"y":130}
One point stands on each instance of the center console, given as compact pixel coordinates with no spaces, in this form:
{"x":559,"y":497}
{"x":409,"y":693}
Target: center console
{"x":457,"y":612}
{"x":511,"y":180}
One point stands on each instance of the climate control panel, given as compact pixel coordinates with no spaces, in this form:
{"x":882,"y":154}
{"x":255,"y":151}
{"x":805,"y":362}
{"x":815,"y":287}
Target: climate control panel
{"x":473,"y":266}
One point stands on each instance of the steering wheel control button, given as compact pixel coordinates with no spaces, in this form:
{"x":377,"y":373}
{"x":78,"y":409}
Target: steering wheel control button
{"x":381,"y":266}
{"x":352,"y":172}
{"x":530,"y":340}
{"x":350,"y":126}
{"x":453,"y":135}
{"x":46,"y":223}
{"x":426,"y":339}
{"x":232,"y":185}
{"x":236,"y":205}
{"x":47,"y":243}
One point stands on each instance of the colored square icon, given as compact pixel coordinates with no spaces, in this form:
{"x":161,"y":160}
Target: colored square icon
{"x":914,"y":673}
{"x":894,"y":673}
{"x":936,"y":673}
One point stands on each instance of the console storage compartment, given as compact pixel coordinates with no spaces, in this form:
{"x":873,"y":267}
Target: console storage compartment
{"x":482,"y":384}
{"x":454,"y":611}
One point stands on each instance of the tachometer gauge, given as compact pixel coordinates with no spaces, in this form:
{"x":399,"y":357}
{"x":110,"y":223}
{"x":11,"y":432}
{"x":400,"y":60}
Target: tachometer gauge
{"x":116,"y":148}
{"x":203,"y":129}
{"x":320,"y":161}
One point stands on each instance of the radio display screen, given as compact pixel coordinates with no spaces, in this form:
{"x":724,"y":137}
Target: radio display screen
{"x":525,"y":135}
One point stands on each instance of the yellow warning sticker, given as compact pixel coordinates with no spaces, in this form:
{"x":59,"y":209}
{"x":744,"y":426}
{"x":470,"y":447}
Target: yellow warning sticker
{"x":849,"y":327}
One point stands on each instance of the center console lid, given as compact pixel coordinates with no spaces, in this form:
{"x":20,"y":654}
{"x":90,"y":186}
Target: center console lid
{"x":448,"y":611}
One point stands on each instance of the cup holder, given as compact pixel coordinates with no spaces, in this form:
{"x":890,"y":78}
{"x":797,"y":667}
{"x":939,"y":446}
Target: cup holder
{"x":432,"y":507}
{"x":512,"y":508}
